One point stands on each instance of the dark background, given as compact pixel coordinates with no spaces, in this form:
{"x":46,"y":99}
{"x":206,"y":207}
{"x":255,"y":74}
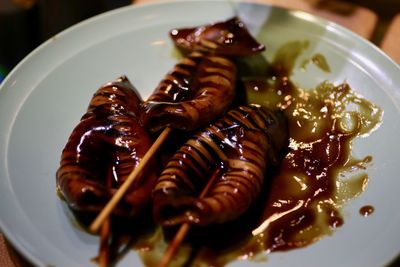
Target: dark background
{"x":24,"y":27}
{"x":25,"y":24}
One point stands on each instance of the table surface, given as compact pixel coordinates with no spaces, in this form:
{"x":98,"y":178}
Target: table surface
{"x":359,"y":19}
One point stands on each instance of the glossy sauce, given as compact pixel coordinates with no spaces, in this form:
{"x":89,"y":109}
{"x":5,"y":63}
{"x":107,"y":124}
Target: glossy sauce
{"x":302,"y":200}
{"x":319,"y":173}
{"x":366,"y":210}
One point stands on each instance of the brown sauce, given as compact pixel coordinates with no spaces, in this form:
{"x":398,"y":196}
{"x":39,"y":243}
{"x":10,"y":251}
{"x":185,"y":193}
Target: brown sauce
{"x":367,"y":210}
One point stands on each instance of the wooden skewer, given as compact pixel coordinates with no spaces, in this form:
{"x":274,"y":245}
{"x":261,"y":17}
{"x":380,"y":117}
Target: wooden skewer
{"x":105,"y":233}
{"x":94,"y":227}
{"x":184,"y":229}
{"x":104,"y":250}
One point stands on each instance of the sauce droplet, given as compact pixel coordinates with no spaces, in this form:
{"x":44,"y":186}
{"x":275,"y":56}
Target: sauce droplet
{"x":319,"y":60}
{"x":366,"y":210}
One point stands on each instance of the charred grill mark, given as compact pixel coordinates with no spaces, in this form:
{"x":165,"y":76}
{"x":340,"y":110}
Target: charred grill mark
{"x":203,"y":149}
{"x":194,"y":166}
{"x":213,"y":147}
{"x":176,"y":84}
{"x":240,"y":181}
{"x":221,"y":61}
{"x":250,"y":119}
{"x":175,"y":176}
{"x":198,"y":154}
{"x":239,"y":142}
{"x":221,"y":70}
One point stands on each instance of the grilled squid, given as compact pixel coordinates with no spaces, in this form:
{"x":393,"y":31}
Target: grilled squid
{"x":201,"y":86}
{"x":187,"y":97}
{"x":103,"y":149}
{"x":237,"y":148}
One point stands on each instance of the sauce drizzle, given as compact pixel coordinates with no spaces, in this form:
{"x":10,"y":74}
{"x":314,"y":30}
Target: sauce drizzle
{"x":367,"y":210}
{"x":302,"y":199}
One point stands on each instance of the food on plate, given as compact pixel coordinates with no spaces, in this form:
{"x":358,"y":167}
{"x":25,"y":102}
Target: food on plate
{"x":239,"y":146}
{"x":302,"y":198}
{"x":263,"y":164}
{"x":201,"y":86}
{"x":107,"y":144}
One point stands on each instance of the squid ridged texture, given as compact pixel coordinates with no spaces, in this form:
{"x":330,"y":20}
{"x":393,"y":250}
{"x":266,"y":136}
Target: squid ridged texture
{"x":238,"y":148}
{"x":103,"y":149}
{"x":201,"y":87}
{"x":187,"y":97}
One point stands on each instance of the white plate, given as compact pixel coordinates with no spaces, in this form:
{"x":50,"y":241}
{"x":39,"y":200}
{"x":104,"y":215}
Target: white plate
{"x":45,"y":95}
